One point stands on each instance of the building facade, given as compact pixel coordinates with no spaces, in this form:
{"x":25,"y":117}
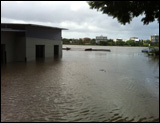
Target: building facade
{"x":154,"y":38}
{"x":28,"y":42}
{"x":86,"y":40}
{"x":134,"y":38}
{"x":101,"y":38}
{"x":118,"y":39}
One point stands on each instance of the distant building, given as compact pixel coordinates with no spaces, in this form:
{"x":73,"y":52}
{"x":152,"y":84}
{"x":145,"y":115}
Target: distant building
{"x":154,"y":38}
{"x":126,"y":40}
{"x":101,"y":38}
{"x":118,"y":39}
{"x":134,"y":38}
{"x":87,"y":40}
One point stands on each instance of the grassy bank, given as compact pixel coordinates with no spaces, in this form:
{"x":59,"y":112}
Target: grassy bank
{"x":155,"y":51}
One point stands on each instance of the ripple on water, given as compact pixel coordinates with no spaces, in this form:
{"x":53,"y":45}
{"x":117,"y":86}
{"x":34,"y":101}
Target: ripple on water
{"x":82,"y":86}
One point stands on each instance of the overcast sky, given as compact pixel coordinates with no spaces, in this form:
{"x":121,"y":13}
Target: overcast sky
{"x":75,"y":16}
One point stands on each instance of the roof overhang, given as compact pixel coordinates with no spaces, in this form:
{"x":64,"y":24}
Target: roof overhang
{"x":11,"y":30}
{"x":34,"y":25}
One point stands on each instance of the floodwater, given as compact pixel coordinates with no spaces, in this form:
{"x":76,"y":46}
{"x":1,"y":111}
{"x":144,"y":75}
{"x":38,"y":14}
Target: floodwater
{"x":92,"y":86}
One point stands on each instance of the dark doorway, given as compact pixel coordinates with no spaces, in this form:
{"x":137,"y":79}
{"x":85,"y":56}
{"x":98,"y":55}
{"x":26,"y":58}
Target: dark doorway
{"x":40,"y":51}
{"x":3,"y":54}
{"x":56,"y":50}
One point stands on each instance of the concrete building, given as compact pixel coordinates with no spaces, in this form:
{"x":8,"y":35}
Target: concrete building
{"x":154,"y":38}
{"x":126,"y":40}
{"x":118,"y":39}
{"x":28,"y":42}
{"x":101,"y":38}
{"x":86,"y":40}
{"x":134,"y":38}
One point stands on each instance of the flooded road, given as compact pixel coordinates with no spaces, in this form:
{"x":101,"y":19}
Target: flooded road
{"x":121,"y":85}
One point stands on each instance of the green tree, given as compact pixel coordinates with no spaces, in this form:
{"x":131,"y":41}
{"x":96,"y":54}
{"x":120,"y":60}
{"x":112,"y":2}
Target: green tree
{"x":111,"y":42}
{"x":103,"y":43}
{"x":65,"y":41}
{"x":81,"y":42}
{"x":120,"y":43}
{"x":125,"y":11}
{"x":130,"y":43}
{"x":93,"y":42}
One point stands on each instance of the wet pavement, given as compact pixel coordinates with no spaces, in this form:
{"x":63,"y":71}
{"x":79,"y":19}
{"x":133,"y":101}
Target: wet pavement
{"x":121,"y":85}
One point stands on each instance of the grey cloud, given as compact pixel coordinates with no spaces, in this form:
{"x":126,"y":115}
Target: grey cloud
{"x":76,"y":16}
{"x":38,"y":11}
{"x":33,"y":11}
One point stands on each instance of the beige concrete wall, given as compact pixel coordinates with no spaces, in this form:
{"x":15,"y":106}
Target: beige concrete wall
{"x":49,"y":47}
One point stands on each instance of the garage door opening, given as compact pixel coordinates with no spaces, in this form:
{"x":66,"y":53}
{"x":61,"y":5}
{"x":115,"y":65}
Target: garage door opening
{"x":56,"y":50}
{"x":40,"y":51}
{"x":3,"y":54}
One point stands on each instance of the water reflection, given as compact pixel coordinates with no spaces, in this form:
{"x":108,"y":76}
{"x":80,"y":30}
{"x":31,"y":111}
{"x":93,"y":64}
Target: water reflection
{"x":153,"y":60}
{"x":83,"y":86}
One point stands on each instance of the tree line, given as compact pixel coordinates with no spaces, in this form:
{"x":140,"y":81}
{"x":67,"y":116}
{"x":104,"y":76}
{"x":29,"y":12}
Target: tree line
{"x":110,"y":42}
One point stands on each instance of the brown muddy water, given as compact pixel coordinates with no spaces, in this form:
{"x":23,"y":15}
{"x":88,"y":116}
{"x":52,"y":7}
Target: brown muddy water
{"x":121,"y":85}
